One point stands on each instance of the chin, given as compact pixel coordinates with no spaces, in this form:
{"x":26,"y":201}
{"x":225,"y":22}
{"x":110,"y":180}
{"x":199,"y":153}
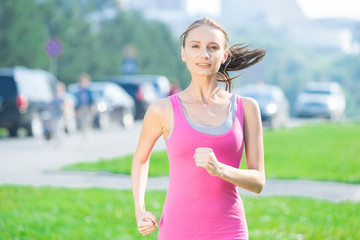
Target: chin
{"x":205,"y":73}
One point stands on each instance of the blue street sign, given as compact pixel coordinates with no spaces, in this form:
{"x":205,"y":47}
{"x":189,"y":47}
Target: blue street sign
{"x":53,"y":47}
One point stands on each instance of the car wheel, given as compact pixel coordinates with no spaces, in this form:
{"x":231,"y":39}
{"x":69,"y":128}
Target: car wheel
{"x":13,"y":132}
{"x":104,"y":121}
{"x":127,"y":121}
{"x":275,"y":122}
{"x":35,"y":127}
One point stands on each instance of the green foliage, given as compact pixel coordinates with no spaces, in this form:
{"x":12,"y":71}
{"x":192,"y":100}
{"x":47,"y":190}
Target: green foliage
{"x":327,"y":152}
{"x":94,"y":43}
{"x":91,"y":44}
{"x":291,"y":66}
{"x":21,"y":38}
{"x":58,"y":213}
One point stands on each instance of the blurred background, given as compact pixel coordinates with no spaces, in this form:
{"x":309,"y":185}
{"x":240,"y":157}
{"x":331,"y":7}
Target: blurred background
{"x":127,"y":54}
{"x":306,"y":42}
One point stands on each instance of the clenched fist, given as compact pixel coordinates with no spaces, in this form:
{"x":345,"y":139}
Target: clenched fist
{"x":147,"y":223}
{"x":205,"y":157}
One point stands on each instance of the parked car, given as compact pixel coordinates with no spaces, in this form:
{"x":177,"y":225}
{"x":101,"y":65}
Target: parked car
{"x":321,"y":99}
{"x":274,"y":106}
{"x":161,"y":83}
{"x":143,"y":88}
{"x":113,"y":104}
{"x":24,"y":96}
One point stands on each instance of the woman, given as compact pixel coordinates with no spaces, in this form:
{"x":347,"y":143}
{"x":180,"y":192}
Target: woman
{"x":205,"y":129}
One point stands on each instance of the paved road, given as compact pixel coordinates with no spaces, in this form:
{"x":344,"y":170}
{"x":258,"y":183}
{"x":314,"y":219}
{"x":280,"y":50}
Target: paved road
{"x":36,"y":162}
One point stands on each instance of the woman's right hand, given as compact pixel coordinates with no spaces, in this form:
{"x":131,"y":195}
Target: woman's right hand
{"x":146,"y":223}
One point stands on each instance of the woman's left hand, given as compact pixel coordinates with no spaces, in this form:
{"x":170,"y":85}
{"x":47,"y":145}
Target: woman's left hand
{"x":205,"y":158}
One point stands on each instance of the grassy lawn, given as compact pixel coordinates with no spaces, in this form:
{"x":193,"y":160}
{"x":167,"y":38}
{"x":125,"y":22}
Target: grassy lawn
{"x":319,"y":152}
{"x":329,"y":152}
{"x":159,"y":165}
{"x":59,"y":213}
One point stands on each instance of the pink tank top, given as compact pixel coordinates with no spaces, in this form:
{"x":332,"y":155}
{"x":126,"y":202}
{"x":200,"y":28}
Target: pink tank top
{"x":200,"y":206}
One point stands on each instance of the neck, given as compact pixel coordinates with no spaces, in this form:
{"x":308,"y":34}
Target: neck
{"x":203,"y":89}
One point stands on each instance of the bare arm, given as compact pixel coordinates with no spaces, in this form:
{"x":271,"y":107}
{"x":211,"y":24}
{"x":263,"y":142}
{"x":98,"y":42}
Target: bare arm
{"x":153,"y":128}
{"x":253,"y":178}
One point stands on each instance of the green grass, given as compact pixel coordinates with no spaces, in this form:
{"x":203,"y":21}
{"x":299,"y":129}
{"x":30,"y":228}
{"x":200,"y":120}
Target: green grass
{"x":159,"y":165}
{"x":3,"y":132}
{"x":318,"y":152}
{"x":328,"y":152}
{"x":59,"y":213}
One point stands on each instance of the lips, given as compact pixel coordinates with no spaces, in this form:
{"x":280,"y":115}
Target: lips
{"x":204,"y":64}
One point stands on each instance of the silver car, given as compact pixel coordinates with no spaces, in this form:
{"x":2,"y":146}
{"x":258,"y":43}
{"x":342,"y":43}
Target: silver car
{"x":274,"y":106}
{"x":321,"y":99}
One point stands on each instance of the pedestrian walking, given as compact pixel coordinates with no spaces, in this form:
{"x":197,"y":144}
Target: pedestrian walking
{"x":85,"y":108}
{"x":56,"y":114}
{"x":205,"y":129}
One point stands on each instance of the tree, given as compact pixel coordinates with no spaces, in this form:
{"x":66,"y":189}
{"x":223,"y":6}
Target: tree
{"x":21,"y":40}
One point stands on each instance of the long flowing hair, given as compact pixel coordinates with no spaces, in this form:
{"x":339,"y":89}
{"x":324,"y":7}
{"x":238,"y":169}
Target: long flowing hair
{"x":240,"y":55}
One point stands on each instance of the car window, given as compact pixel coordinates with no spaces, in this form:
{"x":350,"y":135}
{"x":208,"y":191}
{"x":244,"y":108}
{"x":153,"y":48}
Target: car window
{"x":313,"y":91}
{"x":35,"y":86}
{"x":115,"y":93}
{"x":7,"y":86}
{"x":130,"y":88}
{"x":259,"y":95}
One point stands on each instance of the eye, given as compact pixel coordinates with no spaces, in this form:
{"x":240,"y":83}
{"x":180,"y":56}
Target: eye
{"x":195,"y":46}
{"x":213,"y":48}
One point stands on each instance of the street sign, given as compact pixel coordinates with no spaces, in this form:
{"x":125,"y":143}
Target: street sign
{"x":53,"y":47}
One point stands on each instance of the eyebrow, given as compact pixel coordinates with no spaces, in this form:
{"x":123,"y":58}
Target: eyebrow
{"x":194,"y":41}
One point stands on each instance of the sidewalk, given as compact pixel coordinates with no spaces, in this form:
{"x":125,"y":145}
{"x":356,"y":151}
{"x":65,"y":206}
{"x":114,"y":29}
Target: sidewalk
{"x":331,"y":191}
{"x":31,"y":162}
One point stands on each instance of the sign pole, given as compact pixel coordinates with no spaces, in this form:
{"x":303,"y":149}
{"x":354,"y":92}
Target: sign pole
{"x":53,"y":48}
{"x":53,"y":65}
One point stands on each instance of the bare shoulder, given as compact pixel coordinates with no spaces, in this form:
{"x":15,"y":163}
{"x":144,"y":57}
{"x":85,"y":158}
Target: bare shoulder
{"x":159,"y":110}
{"x":251,"y":107}
{"x":158,"y":117}
{"x":160,"y":106}
{"x":249,"y":102}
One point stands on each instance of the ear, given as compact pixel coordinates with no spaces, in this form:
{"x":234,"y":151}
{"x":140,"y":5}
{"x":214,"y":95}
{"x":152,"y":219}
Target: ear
{"x":226,"y":54}
{"x":182,"y":54}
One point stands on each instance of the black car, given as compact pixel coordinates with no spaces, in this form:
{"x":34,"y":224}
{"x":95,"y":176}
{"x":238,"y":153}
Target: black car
{"x":24,"y":96}
{"x":113,"y":104}
{"x":140,"y":88}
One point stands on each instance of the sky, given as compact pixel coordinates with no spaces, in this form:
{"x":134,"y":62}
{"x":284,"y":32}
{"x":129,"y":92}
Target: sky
{"x":316,"y":9}
{"x":313,"y":9}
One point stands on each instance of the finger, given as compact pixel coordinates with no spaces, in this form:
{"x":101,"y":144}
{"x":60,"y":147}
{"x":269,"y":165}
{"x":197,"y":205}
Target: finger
{"x":153,"y":219}
{"x":144,"y":228}
{"x":202,"y":149}
{"x":202,"y":155}
{"x":147,"y":232}
{"x":149,"y":228}
{"x":201,"y":164}
{"x":147,"y":222}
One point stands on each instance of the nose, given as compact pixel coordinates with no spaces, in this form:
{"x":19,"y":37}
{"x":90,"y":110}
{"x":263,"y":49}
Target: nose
{"x":205,"y":53}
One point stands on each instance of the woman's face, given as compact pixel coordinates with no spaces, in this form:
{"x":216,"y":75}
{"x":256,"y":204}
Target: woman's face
{"x":204,"y":51}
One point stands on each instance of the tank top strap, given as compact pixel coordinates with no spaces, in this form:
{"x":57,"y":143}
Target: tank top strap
{"x":240,"y":111}
{"x":176,"y":106}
